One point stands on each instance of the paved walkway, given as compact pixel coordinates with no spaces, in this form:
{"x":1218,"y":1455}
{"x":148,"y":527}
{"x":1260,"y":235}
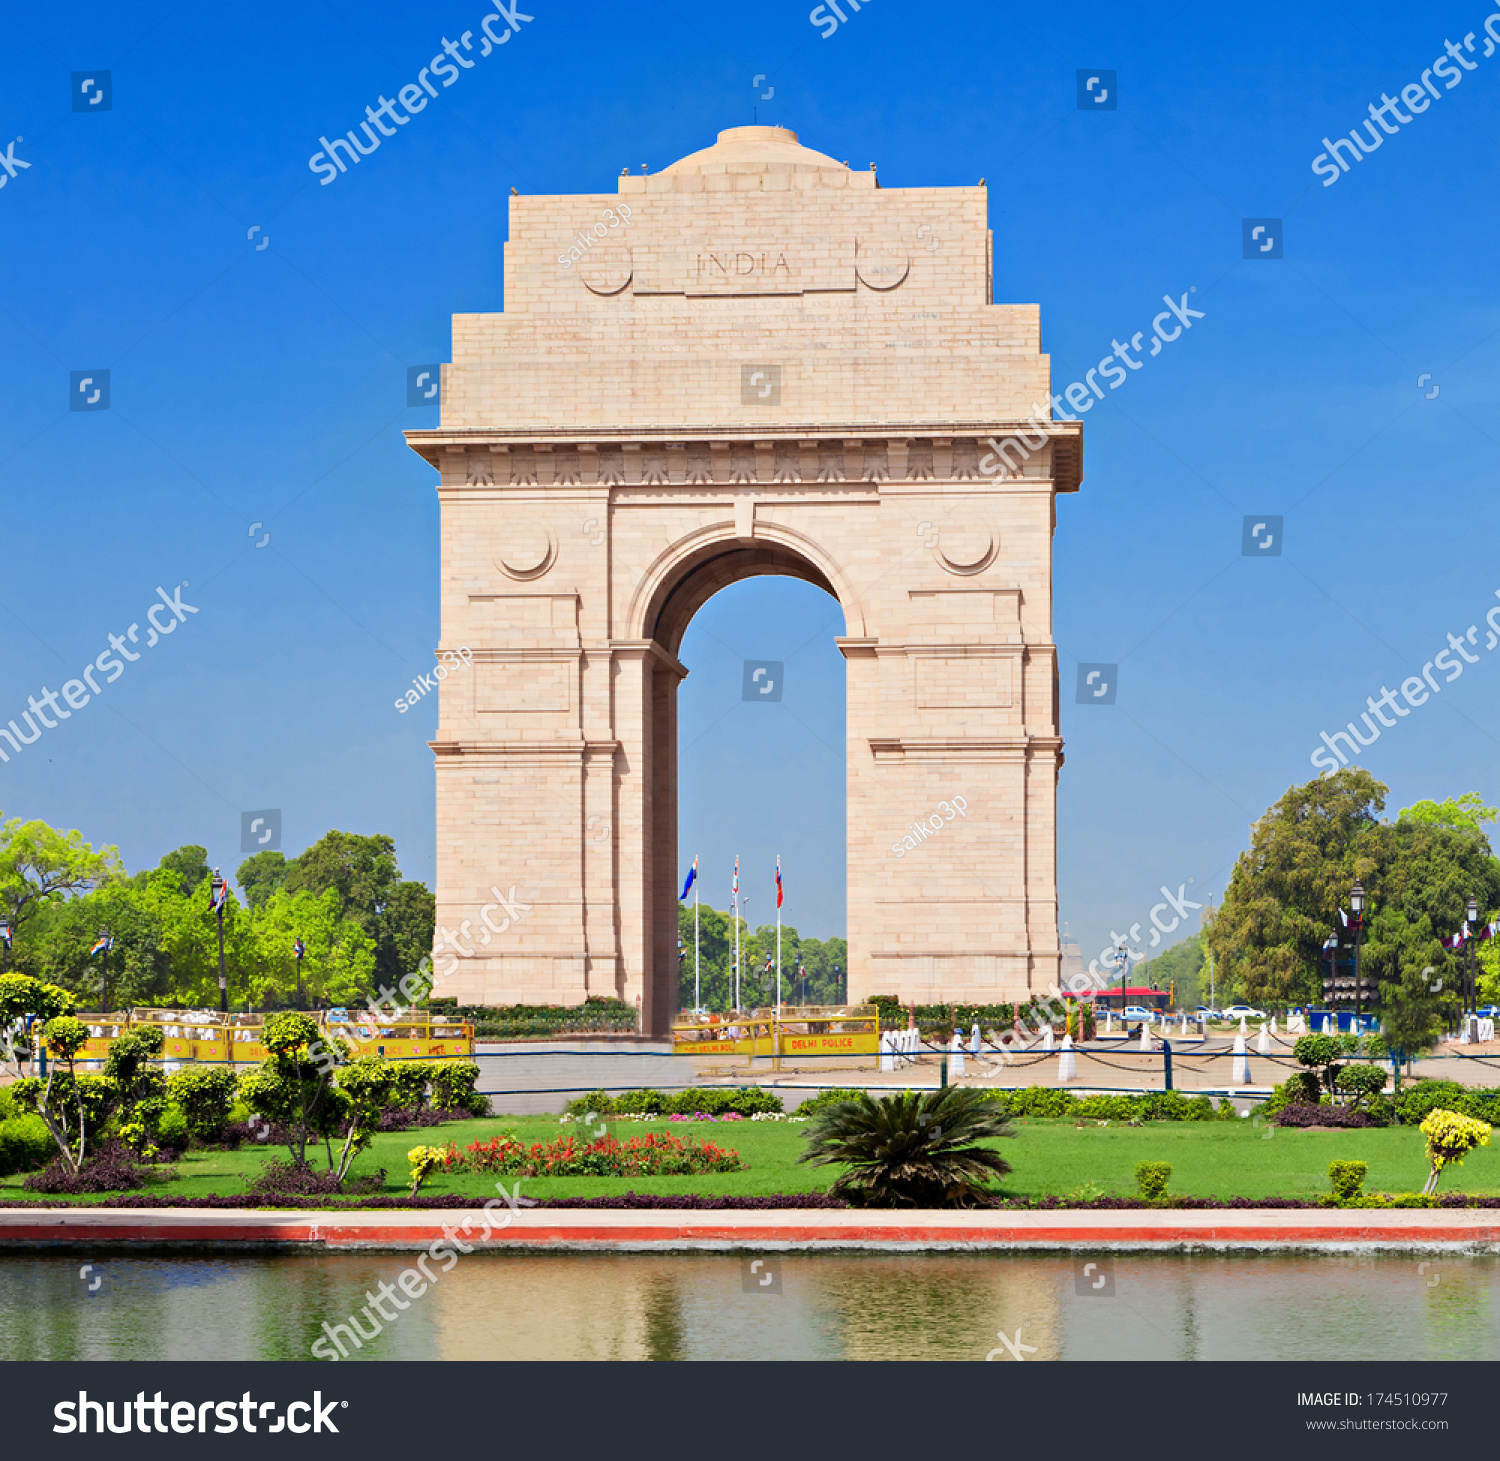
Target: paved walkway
{"x":1162,"y":1230}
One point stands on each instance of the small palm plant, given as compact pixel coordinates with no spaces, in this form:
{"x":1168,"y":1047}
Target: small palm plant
{"x":911,"y":1149}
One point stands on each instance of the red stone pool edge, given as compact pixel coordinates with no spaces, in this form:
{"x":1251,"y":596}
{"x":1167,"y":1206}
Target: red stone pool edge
{"x":626,"y":1231}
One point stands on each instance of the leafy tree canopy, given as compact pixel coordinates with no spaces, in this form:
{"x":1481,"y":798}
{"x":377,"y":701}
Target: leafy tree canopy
{"x":39,"y":864}
{"x":259,"y":876}
{"x":1286,"y":891}
{"x":1467,"y":810}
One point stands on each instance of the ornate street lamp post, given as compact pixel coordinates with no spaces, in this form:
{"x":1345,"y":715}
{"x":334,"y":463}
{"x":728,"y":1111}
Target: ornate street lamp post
{"x":1357,"y":905}
{"x":218,"y":891}
{"x":1473,"y":930}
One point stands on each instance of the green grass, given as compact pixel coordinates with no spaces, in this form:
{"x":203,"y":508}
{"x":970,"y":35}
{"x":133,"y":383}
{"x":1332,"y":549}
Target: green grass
{"x":1209,"y":1159}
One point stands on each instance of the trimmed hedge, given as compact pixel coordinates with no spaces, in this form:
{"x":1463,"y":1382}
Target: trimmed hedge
{"x":712,"y":1100}
{"x":1154,"y":1106}
{"x":1300,"y":1113}
{"x":594,"y":1016}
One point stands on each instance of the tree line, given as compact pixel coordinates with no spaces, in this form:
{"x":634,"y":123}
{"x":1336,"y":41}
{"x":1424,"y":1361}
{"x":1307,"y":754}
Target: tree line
{"x":1418,"y":871}
{"x":361,"y":923}
{"x":826,"y":962}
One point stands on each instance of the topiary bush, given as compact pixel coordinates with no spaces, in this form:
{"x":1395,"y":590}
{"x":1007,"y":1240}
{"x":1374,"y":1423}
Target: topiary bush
{"x":205,"y":1095}
{"x":1151,"y":1179}
{"x":452,"y":1083}
{"x":1450,"y":1138}
{"x":1361,"y":1087}
{"x":25,"y":1145}
{"x":1301,"y":1088}
{"x":1347,"y":1178}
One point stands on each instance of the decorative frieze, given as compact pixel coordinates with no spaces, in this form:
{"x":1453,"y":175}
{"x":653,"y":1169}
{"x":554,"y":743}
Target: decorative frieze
{"x":700,"y":463}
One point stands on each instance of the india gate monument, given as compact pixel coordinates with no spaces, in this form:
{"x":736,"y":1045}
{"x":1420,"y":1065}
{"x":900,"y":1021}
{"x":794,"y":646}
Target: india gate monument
{"x":756,"y":361}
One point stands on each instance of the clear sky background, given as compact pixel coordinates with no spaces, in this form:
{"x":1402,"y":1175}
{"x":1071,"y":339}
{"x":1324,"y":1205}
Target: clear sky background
{"x":268,"y":386}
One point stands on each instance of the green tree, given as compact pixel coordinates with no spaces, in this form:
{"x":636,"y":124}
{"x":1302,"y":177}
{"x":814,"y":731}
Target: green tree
{"x":74,"y":1107}
{"x":1413,"y":1012}
{"x":25,"y":1002}
{"x":260,"y":876}
{"x":361,"y":870}
{"x":1181,"y":968}
{"x":339,"y":962}
{"x":190,"y":863}
{"x":59,"y":938}
{"x":405,"y":931}
{"x":1467,"y":811}
{"x":39,"y":865}
{"x":1285,"y":892}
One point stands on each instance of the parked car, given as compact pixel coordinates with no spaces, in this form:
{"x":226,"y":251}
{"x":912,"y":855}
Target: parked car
{"x":1140,"y":1012}
{"x":1243,"y":1011}
{"x":1209,"y":1014}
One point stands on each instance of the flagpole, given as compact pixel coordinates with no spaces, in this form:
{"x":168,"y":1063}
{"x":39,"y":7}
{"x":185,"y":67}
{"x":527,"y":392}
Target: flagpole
{"x":778,"y":936}
{"x":736,"y":934}
{"x":697,"y":959}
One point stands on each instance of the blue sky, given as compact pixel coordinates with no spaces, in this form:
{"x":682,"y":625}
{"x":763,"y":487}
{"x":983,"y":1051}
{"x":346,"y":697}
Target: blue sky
{"x":267,"y":386}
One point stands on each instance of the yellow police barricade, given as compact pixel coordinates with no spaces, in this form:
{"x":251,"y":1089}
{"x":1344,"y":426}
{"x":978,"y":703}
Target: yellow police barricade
{"x":209,"y":1036}
{"x":802,"y":1030}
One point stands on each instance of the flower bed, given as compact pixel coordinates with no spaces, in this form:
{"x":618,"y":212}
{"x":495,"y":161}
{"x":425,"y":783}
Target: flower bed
{"x":651,"y":1155}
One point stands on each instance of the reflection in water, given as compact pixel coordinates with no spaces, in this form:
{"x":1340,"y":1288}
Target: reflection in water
{"x":703,"y":1306}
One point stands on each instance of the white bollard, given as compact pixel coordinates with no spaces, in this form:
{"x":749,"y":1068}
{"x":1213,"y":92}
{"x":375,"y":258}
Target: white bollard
{"x":1263,"y":1040}
{"x":1243,"y":1030}
{"x":1109,"y":1022}
{"x":974,"y":1039}
{"x":1273,"y":1024}
{"x":1146,"y":1035}
{"x":956,"y":1055}
{"x":1183,"y":1031}
{"x":1067,"y":1062}
{"x":1328,"y":1024}
{"x":1240,"y":1063}
{"x":887,"y":1056}
{"x":1049,"y":1040}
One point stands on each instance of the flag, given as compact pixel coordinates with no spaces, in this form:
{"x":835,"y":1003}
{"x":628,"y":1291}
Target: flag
{"x":692,"y":878}
{"x":778,"y":882}
{"x":104,"y":943}
{"x":218,"y":890}
{"x":736,"y":887}
{"x":767,"y":969}
{"x":5,"y":934}
{"x":298,"y":948}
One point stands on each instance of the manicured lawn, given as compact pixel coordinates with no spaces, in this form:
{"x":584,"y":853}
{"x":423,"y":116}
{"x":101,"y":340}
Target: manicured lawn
{"x":1218,"y":1159}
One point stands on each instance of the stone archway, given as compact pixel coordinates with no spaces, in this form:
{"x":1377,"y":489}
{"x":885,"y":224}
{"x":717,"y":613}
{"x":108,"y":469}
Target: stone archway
{"x":654,"y":418}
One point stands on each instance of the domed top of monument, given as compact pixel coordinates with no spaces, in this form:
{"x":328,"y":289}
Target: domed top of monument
{"x":751,"y":160}
{"x":756,"y":149}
